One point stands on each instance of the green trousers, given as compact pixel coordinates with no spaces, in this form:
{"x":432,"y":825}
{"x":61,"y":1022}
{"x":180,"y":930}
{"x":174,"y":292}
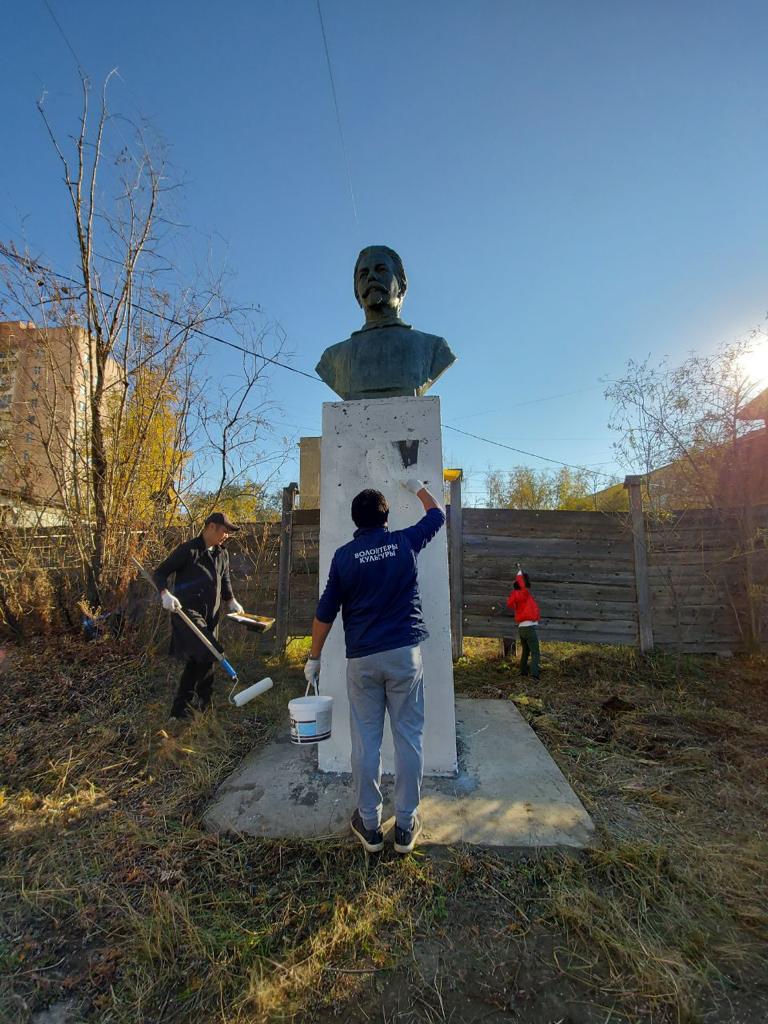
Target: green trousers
{"x":529,"y":641}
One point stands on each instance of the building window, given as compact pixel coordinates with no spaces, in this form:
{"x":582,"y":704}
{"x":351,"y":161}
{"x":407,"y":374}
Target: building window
{"x":37,"y":371}
{"x":81,"y":406}
{"x":5,"y":402}
{"x":25,"y":456}
{"x":29,"y":437}
{"x":33,"y":403}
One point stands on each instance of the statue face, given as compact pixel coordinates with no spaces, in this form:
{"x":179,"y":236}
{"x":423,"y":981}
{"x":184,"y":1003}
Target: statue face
{"x":376,"y":283}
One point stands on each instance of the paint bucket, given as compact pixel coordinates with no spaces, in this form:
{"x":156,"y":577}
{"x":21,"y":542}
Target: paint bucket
{"x":310,"y":718}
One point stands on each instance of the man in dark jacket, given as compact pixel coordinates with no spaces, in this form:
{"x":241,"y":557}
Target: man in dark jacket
{"x":373,"y":580}
{"x":201,"y":567}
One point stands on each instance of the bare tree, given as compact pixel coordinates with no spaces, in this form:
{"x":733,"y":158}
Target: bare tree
{"x":679,"y":425}
{"x":680,"y":428}
{"x":128,"y":421}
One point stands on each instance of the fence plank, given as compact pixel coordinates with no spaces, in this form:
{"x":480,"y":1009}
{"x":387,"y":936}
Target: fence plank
{"x":479,"y":604}
{"x":547,"y":592}
{"x":609,"y":551}
{"x":476,"y":567}
{"x":547,"y":523}
{"x":569,"y":632}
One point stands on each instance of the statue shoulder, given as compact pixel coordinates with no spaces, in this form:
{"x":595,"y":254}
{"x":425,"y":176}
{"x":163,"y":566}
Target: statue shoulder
{"x":439,"y":351}
{"x":427,"y":339}
{"x":329,"y":360}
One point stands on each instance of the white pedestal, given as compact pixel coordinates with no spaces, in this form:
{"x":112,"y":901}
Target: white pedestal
{"x":359,"y":449}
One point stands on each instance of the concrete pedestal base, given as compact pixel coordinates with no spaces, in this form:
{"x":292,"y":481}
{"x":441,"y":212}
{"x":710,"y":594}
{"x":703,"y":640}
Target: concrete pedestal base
{"x":509,"y":792}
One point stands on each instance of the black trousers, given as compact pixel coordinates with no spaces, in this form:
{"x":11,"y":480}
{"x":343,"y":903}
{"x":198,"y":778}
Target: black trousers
{"x":529,"y":642}
{"x":195,"y":688}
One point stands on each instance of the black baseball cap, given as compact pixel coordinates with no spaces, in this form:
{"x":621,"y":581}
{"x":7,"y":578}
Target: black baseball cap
{"x":221,"y":520}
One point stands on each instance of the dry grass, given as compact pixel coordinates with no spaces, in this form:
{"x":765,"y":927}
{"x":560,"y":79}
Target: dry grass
{"x":113,"y":895}
{"x":670,"y":756}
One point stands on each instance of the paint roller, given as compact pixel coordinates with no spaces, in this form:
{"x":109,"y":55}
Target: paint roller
{"x":252,"y":691}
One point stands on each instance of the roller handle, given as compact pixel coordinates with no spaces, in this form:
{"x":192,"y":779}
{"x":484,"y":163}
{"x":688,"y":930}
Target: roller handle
{"x":228,"y":669}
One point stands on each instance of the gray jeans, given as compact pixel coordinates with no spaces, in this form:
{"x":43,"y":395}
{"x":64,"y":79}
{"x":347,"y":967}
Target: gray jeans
{"x":391,"y":681}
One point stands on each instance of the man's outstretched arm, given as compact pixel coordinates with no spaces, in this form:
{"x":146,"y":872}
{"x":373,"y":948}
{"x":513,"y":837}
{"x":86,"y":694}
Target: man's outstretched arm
{"x":422,"y":532}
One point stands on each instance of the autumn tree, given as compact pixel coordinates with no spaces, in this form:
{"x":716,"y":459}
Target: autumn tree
{"x":526,"y":488}
{"x":145,"y":424}
{"x":146,"y":438}
{"x":245,"y":501}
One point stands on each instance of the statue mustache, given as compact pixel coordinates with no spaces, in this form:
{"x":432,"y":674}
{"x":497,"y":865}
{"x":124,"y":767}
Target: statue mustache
{"x":374,"y":287}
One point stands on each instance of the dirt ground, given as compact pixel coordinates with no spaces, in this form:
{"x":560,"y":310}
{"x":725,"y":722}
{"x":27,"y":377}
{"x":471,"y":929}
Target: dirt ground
{"x":116,"y":906}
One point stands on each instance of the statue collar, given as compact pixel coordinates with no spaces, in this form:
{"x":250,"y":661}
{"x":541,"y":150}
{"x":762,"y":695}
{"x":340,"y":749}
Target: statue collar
{"x":388,"y":323}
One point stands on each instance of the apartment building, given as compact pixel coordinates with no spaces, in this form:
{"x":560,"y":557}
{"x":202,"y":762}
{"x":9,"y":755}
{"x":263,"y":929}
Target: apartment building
{"x":44,"y":417}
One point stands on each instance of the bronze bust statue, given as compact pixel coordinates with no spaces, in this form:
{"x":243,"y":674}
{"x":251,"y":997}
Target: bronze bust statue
{"x":386,"y":357}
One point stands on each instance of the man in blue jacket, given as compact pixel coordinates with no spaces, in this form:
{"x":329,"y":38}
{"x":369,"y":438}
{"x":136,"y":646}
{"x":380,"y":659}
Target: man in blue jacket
{"x":373,"y":580}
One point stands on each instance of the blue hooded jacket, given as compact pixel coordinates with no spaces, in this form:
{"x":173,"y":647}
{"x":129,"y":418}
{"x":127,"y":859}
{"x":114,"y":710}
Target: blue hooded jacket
{"x":373,"y":580}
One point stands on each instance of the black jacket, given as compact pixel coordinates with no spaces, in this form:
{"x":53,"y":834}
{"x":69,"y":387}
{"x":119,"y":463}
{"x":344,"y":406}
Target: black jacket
{"x":202,"y":583}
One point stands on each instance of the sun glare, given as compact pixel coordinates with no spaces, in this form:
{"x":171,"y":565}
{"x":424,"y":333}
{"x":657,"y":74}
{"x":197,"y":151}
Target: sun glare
{"x":755,"y":362}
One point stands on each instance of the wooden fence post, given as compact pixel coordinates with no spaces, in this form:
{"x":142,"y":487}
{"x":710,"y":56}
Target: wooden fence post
{"x":284,"y":568}
{"x":456,"y":559}
{"x":640,"y":545}
{"x":747,"y":543}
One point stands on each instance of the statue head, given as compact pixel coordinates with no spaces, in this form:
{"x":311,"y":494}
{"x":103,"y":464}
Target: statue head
{"x":380,"y":281}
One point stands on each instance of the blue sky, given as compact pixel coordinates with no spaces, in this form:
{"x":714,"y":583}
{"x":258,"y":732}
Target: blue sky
{"x":569,"y":184}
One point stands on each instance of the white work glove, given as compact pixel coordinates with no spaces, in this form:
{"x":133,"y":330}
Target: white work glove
{"x":413,"y":485}
{"x":233,"y":606}
{"x":312,"y":671}
{"x":170,"y":603}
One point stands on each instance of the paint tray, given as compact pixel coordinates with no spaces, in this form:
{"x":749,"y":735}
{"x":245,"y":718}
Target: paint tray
{"x":254,"y":623}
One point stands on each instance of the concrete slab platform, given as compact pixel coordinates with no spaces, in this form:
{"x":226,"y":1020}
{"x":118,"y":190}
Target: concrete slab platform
{"x":508,"y":792}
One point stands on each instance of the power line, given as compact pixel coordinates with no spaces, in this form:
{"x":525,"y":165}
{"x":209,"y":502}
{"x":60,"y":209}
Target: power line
{"x":338,"y":112}
{"x":531,"y":401}
{"x":34,"y":265}
{"x":520,"y":451}
{"x":31,"y":265}
{"x":64,"y":37}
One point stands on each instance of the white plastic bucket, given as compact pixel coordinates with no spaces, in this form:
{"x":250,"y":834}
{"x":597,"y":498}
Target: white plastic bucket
{"x":310,"y":719}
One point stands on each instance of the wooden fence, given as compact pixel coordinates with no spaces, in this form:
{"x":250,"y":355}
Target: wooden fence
{"x":678,"y":582}
{"x":695,"y":580}
{"x":581,"y":568}
{"x":708,"y":579}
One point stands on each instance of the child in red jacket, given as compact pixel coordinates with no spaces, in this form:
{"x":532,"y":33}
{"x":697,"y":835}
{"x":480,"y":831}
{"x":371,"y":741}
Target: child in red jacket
{"x":526,"y":611}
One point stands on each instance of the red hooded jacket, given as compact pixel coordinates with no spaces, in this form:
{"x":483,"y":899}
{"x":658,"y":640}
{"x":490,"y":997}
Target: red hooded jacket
{"x":523,"y":603}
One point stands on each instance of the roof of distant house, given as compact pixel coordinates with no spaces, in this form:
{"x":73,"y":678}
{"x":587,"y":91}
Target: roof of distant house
{"x":757,"y":409}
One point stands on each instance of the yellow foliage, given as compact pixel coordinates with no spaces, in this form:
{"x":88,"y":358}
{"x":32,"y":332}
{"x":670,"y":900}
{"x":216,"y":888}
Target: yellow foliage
{"x":147,"y":454}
